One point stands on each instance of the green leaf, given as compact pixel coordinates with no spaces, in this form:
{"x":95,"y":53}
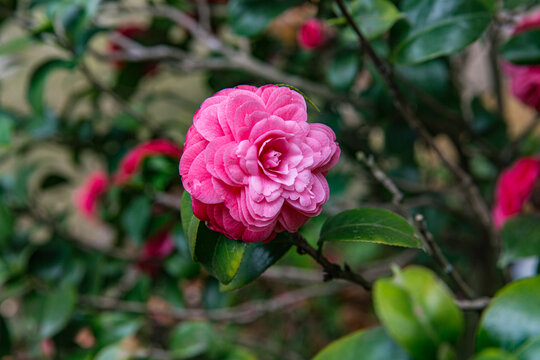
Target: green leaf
{"x":227,"y":257}
{"x":418,"y":311}
{"x":512,"y":4}
{"x":136,"y":217}
{"x":520,"y":238}
{"x":512,"y":318}
{"x":7,"y":221}
{"x":251,"y":17}
{"x":523,"y":49}
{"x":5,"y":338}
{"x":530,"y":350}
{"x":191,"y":339}
{"x":438,"y":28}
{"x":374,"y":17}
{"x":36,"y":88}
{"x":370,"y":224}
{"x":342,"y":70}
{"x":494,"y":354}
{"x":372,"y":344}
{"x":189,"y":222}
{"x":6,"y":130}
{"x":257,"y":258}
{"x":57,"y":309}
{"x":16,"y":45}
{"x":112,"y":352}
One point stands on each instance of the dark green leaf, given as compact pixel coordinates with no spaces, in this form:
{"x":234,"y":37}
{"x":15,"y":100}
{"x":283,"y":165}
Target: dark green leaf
{"x":342,"y":70}
{"x":257,"y":258}
{"x":36,"y":88}
{"x":6,"y":130}
{"x":191,"y":339}
{"x":53,"y":180}
{"x":530,"y":350}
{"x":7,"y":221}
{"x":512,"y":318}
{"x":372,"y":344}
{"x":374,"y":17}
{"x":189,"y":222}
{"x":512,"y":4}
{"x":494,"y":354}
{"x":418,"y":311}
{"x":136,"y":217}
{"x":5,"y":338}
{"x":523,"y":49}
{"x":370,"y":224}
{"x":16,"y":45}
{"x":520,"y":238}
{"x":439,"y":27}
{"x":251,"y":17}
{"x":57,"y":309}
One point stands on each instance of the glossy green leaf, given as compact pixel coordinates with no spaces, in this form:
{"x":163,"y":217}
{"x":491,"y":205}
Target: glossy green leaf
{"x":520,"y":238}
{"x":523,"y":49}
{"x":251,"y":17}
{"x":494,"y":354}
{"x":136,"y":217}
{"x":512,"y":318}
{"x":530,"y":350}
{"x":370,"y":224}
{"x":257,"y":258}
{"x":374,"y":17}
{"x":5,"y":338}
{"x":372,"y":344}
{"x":189,"y":222}
{"x":36,"y":87}
{"x":418,"y":311}
{"x":342,"y":70}
{"x":438,"y":28}
{"x":227,"y":258}
{"x":57,"y":309}
{"x":191,"y":339}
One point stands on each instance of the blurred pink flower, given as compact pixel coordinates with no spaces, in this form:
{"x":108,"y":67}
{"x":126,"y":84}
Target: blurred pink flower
{"x":253,"y":165}
{"x":133,"y":159}
{"x":312,"y":34}
{"x":86,"y":197}
{"x":156,"y":248}
{"x":48,"y":348}
{"x":525,"y":79}
{"x":514,"y":188}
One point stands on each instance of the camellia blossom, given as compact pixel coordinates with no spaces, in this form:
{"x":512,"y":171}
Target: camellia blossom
{"x":253,"y":165}
{"x":133,"y":159}
{"x":312,"y":34}
{"x":514,"y":189}
{"x":86,"y":197}
{"x":525,"y":79}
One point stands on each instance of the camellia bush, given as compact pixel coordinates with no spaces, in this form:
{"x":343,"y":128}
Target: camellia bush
{"x":279,"y":179}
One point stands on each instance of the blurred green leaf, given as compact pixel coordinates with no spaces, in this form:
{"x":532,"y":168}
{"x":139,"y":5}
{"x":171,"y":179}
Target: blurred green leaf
{"x":49,"y":262}
{"x":512,"y":4}
{"x":189,"y":222}
{"x":6,"y":130}
{"x":58,"y":307}
{"x":257,"y":258}
{"x":370,"y":224}
{"x":372,"y":344}
{"x":15,"y":45}
{"x":418,"y":311}
{"x":191,"y":339}
{"x":438,"y":28}
{"x":7,"y":221}
{"x":494,"y":354}
{"x":512,"y":318}
{"x":342,"y":70}
{"x":136,"y":217}
{"x":530,"y":350}
{"x":520,"y":238}
{"x":251,"y":17}
{"x":112,"y":352}
{"x":5,"y":338}
{"x":37,"y":84}
{"x":112,"y":327}
{"x":374,"y":17}
{"x":523,"y":49}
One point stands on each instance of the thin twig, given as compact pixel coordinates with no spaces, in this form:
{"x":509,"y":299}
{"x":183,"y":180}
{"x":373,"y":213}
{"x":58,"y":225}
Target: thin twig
{"x":332,"y":271}
{"x":441,"y":259}
{"x":473,"y":305}
{"x":244,"y":313}
{"x":473,"y":195}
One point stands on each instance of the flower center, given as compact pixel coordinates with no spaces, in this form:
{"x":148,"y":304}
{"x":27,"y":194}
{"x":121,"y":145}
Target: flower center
{"x":271,"y":159}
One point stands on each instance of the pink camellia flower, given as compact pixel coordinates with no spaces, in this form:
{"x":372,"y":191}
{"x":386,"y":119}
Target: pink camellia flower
{"x":312,"y":34}
{"x":253,"y":165}
{"x":525,"y":79}
{"x":86,"y":197}
{"x":514,"y":189}
{"x":133,"y":159}
{"x":156,"y":248}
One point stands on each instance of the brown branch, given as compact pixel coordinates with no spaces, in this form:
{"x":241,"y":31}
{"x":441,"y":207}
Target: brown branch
{"x":404,"y":108}
{"x":244,"y":313}
{"x":332,"y":271}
